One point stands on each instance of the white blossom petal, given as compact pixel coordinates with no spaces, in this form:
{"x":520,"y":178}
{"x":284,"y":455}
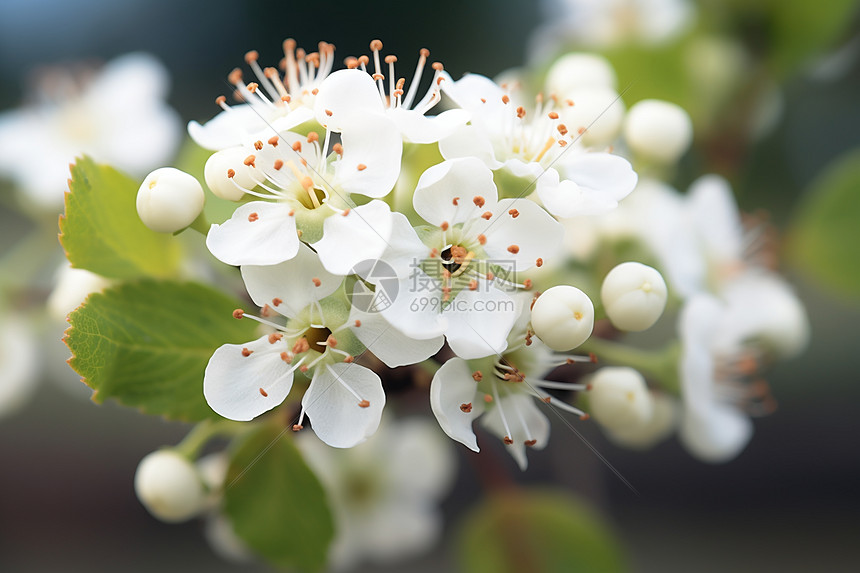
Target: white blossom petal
{"x":469,"y":141}
{"x":370,"y":163}
{"x":416,"y":309}
{"x":290,"y":286}
{"x":593,"y":184}
{"x":421,"y":459}
{"x":258,"y":233}
{"x":236,"y":373}
{"x":334,"y":410}
{"x":417,"y":128}
{"x":520,"y":231}
{"x":479,"y":321}
{"x":389,"y":344}
{"x":344,"y":96}
{"x":446,"y":191}
{"x":359,"y":235}
{"x":715,"y":217}
{"x":405,"y":250}
{"x":525,"y":422}
{"x":455,"y":401}
{"x":716,"y":434}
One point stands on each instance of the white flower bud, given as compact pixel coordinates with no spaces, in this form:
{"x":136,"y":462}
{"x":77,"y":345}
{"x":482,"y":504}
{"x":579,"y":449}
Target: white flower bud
{"x":658,"y":130}
{"x":579,"y":70}
{"x":218,"y":170}
{"x":563,"y":317}
{"x":659,"y":426}
{"x":169,"y":486}
{"x":634,"y":296}
{"x":169,"y":200}
{"x":599,"y":110}
{"x":619,"y":398}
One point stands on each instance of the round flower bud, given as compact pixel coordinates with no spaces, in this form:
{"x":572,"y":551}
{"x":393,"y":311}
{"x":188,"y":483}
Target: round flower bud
{"x":634,"y":296}
{"x":664,"y":418}
{"x":225,"y":172}
{"x":169,"y":486}
{"x":563,"y":317}
{"x":598,"y":110}
{"x":579,"y":70}
{"x":169,"y":200}
{"x":619,"y":398}
{"x":658,"y":130}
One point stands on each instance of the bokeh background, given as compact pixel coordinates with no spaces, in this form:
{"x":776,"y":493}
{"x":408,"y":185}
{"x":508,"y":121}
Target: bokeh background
{"x":789,"y":502}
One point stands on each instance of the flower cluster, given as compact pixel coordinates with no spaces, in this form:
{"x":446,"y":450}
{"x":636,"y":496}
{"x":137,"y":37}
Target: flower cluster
{"x":468,"y":229}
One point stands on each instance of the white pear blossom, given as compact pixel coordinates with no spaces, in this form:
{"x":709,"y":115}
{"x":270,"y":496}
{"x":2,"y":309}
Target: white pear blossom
{"x":634,"y":296}
{"x":117,"y":115}
{"x":304,"y":189}
{"x":344,"y":401}
{"x":453,"y":275}
{"x":384,"y":493}
{"x":168,"y":485}
{"x":503,"y":387}
{"x":536,"y":146}
{"x":169,"y":200}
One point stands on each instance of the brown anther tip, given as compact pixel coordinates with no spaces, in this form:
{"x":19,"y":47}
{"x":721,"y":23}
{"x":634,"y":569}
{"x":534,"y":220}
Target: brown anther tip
{"x":477,"y":375}
{"x":473,"y":284}
{"x":286,"y":98}
{"x":456,"y":201}
{"x":291,"y":213}
{"x":506,"y":99}
{"x":363,"y":60}
{"x":514,"y":213}
{"x":253,"y":217}
{"x":357,"y":323}
{"x":548,"y":399}
{"x":313,"y":137}
{"x":252,"y":56}
{"x":316,"y":281}
{"x":286,"y":357}
{"x":275,"y":337}
{"x":580,"y":131}
{"x":466,"y":408}
{"x":289,"y":45}
{"x":297,"y":427}
{"x":562,"y":129}
{"x":264,"y":393}
{"x":303,"y":368}
{"x":315,"y":91}
{"x":252,"y":87}
{"x":235,"y":76}
{"x":301,"y":345}
{"x":483,"y":100}
{"x":444,"y":226}
{"x":592,"y":357}
{"x":349,"y":359}
{"x":530,"y":442}
{"x":390,"y":59}
{"x":220,"y":100}
{"x":364,"y":404}
{"x":351,"y":62}
{"x":331,"y":341}
{"x":437,"y":66}
{"x":273,"y":141}
{"x":488,"y":398}
{"x":346,"y":212}
{"x":270,"y":72}
{"x":527,"y":284}
{"x":337,"y":148}
{"x":238,"y":313}
{"x":258,"y":145}
{"x":375,"y":45}
{"x":297,"y":146}
{"x":521,"y":112}
{"x":585,"y":417}
{"x":588,"y":387}
{"x":570,"y":361}
{"x":434,"y":252}
{"x":246,"y":353}
{"x":307,"y":182}
{"x":539,"y":262}
{"x":513,"y":249}
{"x":508,"y":441}
{"x":266,"y":310}
{"x":478,"y":200}
{"x":552,"y":115}
{"x":361,"y":166}
{"x":328,"y":112}
{"x":250,"y":161}
{"x":490,"y":276}
{"x":488,"y":215}
{"x":278,"y":164}
{"x":424,"y":53}
{"x":569,"y":102}
{"x":482,"y":239}
{"x":378,"y":77}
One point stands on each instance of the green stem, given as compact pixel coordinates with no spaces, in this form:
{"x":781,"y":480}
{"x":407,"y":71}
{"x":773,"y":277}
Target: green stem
{"x":201,"y":224}
{"x":659,"y":365}
{"x":206,"y":430}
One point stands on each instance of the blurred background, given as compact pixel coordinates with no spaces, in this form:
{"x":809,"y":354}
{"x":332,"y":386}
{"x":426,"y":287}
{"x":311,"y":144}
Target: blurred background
{"x":789,"y":502}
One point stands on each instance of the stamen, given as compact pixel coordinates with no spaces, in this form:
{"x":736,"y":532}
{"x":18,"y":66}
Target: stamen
{"x":362,"y":403}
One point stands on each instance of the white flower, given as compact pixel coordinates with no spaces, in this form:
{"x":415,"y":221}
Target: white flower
{"x":385,"y":492}
{"x":538,"y":147}
{"x":119,"y":116}
{"x":503,"y":386}
{"x":658,"y":130}
{"x":169,"y":200}
{"x":19,"y":362}
{"x":303,"y":186}
{"x":634,"y":296}
{"x":242,"y":381}
{"x":274,"y":101}
{"x":453,"y":276}
{"x":169,"y":487}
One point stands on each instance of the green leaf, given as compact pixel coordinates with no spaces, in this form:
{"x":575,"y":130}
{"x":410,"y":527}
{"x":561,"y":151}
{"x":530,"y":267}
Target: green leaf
{"x":520,"y":530}
{"x":275,"y":502}
{"x":101,"y":231}
{"x":147,"y":344}
{"x":824,"y":239}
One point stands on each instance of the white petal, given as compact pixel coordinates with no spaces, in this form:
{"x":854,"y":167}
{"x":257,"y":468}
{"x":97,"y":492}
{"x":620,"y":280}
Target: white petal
{"x":716,"y":434}
{"x":19,"y":363}
{"x":389,"y":344}
{"x":451,"y":389}
{"x":594,"y":183}
{"x":290,"y":286}
{"x":344,"y":96}
{"x":697,"y":326}
{"x":421,"y":459}
{"x":469,"y":141}
{"x":258,"y":233}
{"x":715,"y":217}
{"x":232,"y":381}
{"x":370,"y":163}
{"x":525,"y":421}
{"x":227,"y":129}
{"x":394,"y":531}
{"x":337,"y":418}
{"x":417,"y":128}
{"x":479,"y":321}
{"x":362,"y":234}
{"x":405,"y":250}
{"x":446,"y":191}
{"x":523,"y":224}
{"x":416,"y":310}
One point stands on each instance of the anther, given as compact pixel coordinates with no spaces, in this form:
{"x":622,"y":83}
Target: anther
{"x":345,"y":212}
{"x":473,"y":284}
{"x":235,"y":76}
{"x":527,"y":284}
{"x":477,"y":375}
{"x":275,"y":337}
{"x":539,"y":262}
{"x":361,"y":166}
{"x":328,"y":112}
{"x":349,"y":359}
{"x":514,"y":213}
{"x":585,"y":417}
{"x":376,"y":45}
{"x":552,"y":115}
{"x":297,"y":146}
{"x":530,"y":442}
{"x":252,"y":87}
{"x":264,"y":393}
{"x":513,"y":249}
{"x":238,"y":313}
{"x":286,"y":357}
{"x":487,"y":215}
{"x":521,"y":112}
{"x":252,"y":56}
{"x":434,"y":252}
{"x":378,"y":77}
{"x":220,"y":100}
{"x":478,"y":200}
{"x":258,"y":145}
{"x":506,"y":99}
{"x":364,"y":404}
{"x":316,"y":281}
{"x":562,"y":129}
{"x":437,"y":66}
{"x":246,"y":353}
{"x":331,"y":341}
{"x":456,"y":201}
{"x":253,"y":217}
{"x":466,"y":408}
{"x":303,"y":368}
{"x":508,"y":441}
{"x":488,"y":398}
{"x":337,"y":148}
{"x":444,"y":226}
{"x":357,"y":323}
{"x":301,"y":345}
{"x":592,"y":357}
{"x":273,"y":141}
{"x":390,"y":59}
{"x":278,"y":164}
{"x":313,"y":137}
{"x":250,"y":161}
{"x":482,"y":239}
{"x":297,"y":427}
